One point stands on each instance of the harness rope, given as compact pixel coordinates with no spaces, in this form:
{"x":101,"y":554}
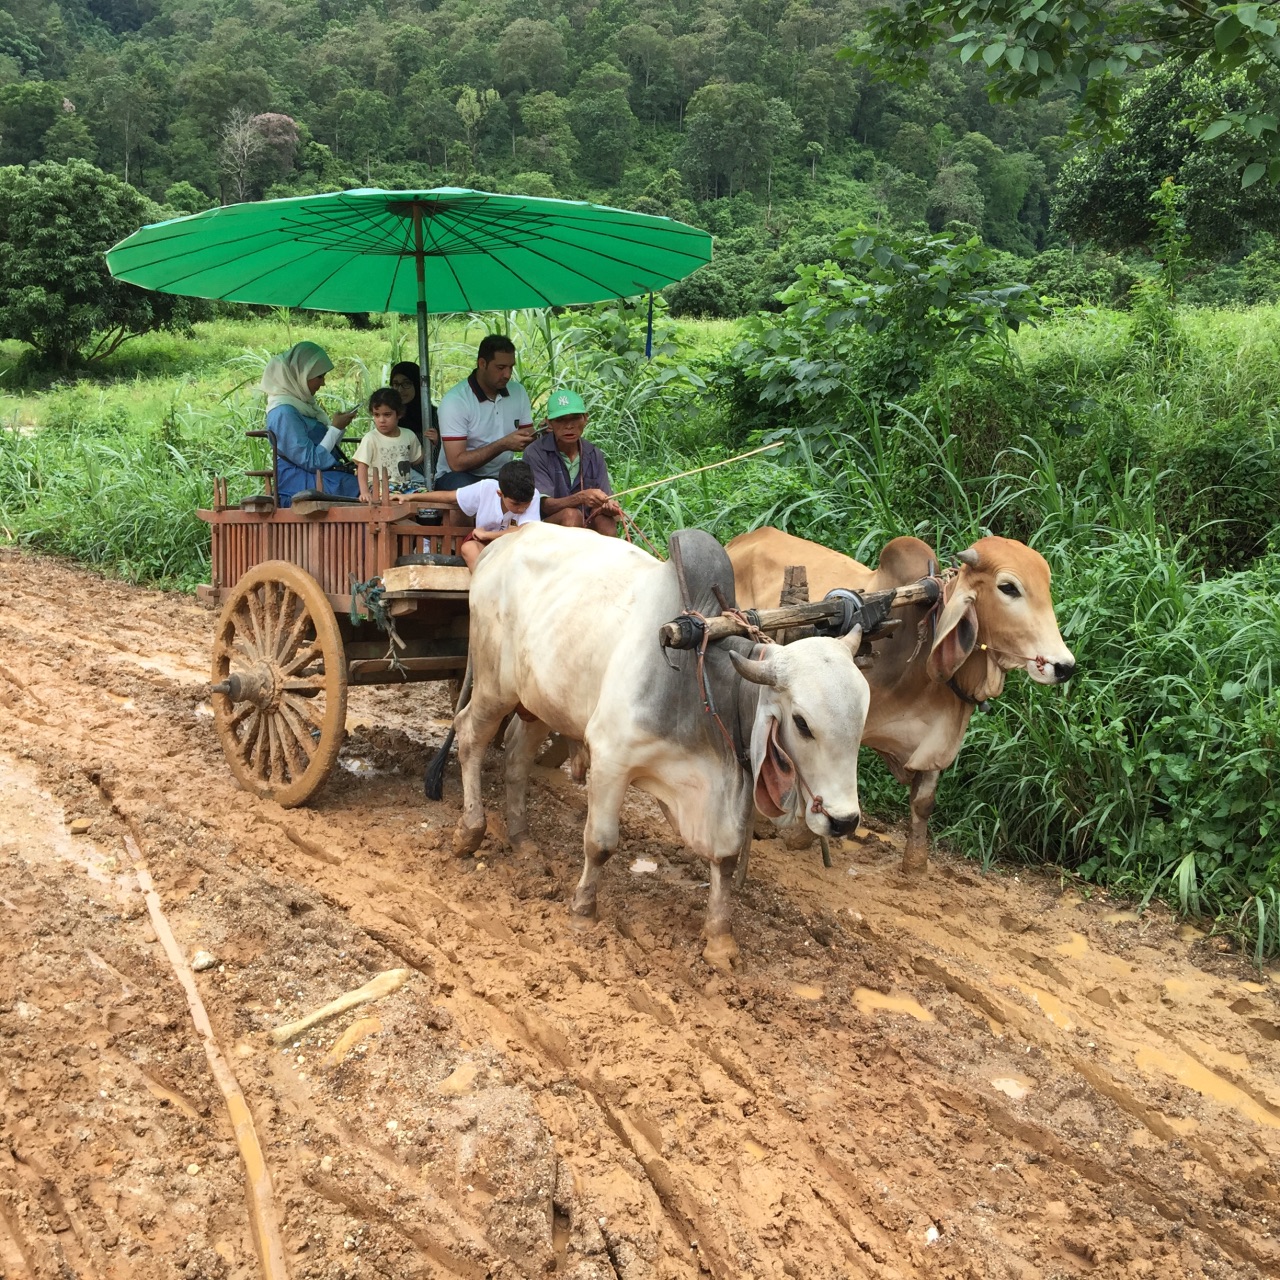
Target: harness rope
{"x":629,"y":526}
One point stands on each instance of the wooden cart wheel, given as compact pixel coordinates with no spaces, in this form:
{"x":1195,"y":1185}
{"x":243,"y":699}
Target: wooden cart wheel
{"x":279,"y":683}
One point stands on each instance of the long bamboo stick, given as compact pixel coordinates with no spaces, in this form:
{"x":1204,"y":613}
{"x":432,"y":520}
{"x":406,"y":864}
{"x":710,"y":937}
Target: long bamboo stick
{"x":711,"y":466}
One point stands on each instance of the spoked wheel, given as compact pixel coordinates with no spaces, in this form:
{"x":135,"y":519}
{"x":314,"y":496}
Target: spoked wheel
{"x":279,"y":683}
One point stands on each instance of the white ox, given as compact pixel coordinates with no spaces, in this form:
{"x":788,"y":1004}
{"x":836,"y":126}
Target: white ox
{"x":564,"y":630}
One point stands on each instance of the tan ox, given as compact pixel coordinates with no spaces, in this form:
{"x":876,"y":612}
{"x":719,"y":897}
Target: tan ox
{"x":997,"y":617}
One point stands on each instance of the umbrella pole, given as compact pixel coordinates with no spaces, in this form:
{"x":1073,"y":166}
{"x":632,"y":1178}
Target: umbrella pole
{"x":424,"y":365}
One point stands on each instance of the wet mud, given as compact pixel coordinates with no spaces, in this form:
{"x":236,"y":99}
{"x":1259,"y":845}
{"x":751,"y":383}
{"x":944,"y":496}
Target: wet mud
{"x":955,"y":1076}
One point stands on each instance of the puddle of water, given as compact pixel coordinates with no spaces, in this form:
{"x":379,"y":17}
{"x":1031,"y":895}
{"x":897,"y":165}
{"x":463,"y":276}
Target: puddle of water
{"x":1187,"y":1071}
{"x":358,"y":766}
{"x":204,"y":711}
{"x":1049,"y":1004}
{"x":1256,"y":987}
{"x":1073,"y":949}
{"x":869,"y":1002}
{"x":1189,"y":933}
{"x":807,"y":992}
{"x":754,"y":1149}
{"x":37,"y":820}
{"x":643,"y":867}
{"x":1120,"y":917}
{"x":1015,"y":1087}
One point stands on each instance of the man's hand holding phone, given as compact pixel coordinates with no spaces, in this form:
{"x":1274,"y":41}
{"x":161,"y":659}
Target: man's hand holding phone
{"x":519,"y":439}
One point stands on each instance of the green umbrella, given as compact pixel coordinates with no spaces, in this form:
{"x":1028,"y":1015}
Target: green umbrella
{"x":447,"y":249}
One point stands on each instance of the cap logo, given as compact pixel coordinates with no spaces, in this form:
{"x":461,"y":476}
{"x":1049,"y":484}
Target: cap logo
{"x":563,"y":400}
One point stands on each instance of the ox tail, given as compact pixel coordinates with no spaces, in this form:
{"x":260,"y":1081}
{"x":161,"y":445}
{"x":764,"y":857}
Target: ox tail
{"x":433,"y":778}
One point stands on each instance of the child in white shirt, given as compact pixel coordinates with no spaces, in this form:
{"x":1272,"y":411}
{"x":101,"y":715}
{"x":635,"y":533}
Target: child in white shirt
{"x":389,"y":448}
{"x":498,"y":506}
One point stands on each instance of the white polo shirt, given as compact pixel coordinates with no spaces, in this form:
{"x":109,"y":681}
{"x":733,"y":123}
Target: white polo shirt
{"x":467,"y":414}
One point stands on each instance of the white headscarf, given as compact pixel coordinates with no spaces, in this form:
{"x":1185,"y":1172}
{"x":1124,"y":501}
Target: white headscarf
{"x":285,"y":379}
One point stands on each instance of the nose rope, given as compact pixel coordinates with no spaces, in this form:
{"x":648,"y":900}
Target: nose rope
{"x":816,"y":803}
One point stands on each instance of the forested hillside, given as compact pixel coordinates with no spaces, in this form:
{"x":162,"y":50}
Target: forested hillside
{"x":740,"y":115}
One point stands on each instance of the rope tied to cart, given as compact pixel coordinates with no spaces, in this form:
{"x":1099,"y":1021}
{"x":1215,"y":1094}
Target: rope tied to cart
{"x":375,"y":610}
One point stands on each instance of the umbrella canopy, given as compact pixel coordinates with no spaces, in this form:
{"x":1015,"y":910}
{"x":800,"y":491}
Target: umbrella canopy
{"x":374,"y":250}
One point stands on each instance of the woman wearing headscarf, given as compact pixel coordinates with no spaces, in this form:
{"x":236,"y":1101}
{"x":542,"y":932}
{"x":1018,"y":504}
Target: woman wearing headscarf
{"x":306,"y":437}
{"x":406,"y":381}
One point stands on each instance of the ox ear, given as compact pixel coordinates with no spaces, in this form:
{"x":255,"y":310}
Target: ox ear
{"x":955,"y":638}
{"x":775,"y":775}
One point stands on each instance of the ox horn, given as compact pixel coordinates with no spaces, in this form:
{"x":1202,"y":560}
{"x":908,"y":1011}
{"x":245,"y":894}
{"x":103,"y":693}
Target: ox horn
{"x":752,"y":669}
{"x":968,"y":556}
{"x":853,"y":639}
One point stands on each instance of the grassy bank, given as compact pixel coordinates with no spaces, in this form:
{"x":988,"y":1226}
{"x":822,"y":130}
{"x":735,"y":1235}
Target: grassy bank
{"x":1137,"y":452}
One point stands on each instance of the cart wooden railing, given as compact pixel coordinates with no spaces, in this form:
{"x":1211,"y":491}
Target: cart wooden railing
{"x":331,"y":540}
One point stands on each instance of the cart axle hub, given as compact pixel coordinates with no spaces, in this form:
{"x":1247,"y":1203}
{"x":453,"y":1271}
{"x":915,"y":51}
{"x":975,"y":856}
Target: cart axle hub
{"x":257,"y":685}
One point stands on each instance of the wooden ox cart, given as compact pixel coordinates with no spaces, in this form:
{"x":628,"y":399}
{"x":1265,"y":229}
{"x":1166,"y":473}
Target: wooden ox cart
{"x":328,"y":593}
{"x":315,"y":598}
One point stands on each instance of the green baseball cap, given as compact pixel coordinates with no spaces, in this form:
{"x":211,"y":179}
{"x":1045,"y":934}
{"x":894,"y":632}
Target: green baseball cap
{"x":560,"y":404}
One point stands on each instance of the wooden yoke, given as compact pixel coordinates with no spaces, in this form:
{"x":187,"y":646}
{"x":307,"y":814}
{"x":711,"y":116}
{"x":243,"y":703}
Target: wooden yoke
{"x":795,"y":590}
{"x":686,"y":632}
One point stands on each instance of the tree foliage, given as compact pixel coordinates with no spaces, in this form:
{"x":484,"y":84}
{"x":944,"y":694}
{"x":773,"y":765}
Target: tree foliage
{"x":1093,"y":48}
{"x":1105,"y":194}
{"x":777,"y":139}
{"x":56,"y":224}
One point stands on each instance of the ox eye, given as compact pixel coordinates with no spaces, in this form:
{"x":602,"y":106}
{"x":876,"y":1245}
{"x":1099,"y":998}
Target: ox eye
{"x":802,"y":726}
{"x":1010,"y":590}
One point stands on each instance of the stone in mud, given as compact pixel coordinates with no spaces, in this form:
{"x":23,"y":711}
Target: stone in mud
{"x":201,"y":961}
{"x":80,"y":826}
{"x":461,"y":1081}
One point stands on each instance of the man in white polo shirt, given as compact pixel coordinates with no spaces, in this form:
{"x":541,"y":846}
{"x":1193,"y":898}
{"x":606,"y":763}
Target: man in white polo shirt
{"x":485,"y":420}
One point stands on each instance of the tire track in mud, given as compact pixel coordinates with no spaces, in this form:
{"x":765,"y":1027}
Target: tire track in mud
{"x":781,"y":1130}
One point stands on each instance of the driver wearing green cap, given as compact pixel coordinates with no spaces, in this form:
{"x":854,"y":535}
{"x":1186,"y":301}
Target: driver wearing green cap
{"x":570,"y":472}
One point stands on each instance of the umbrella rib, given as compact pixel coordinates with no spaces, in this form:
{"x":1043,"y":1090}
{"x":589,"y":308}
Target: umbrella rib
{"x":273,"y":233}
{"x":462,"y":289}
{"x":245,"y":283}
{"x":600,"y":284}
{"x":395,"y":275}
{"x":527,"y":283}
{"x":588,"y":221}
{"x":500,"y":225}
{"x":353,"y":257}
{"x":512,"y":243}
{"x":459,"y":231}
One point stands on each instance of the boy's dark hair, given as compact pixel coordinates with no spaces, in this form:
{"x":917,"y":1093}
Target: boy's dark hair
{"x":490,"y":346}
{"x":388,"y":396}
{"x":515,"y":482}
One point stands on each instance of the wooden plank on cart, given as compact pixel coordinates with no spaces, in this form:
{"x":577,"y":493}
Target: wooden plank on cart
{"x":318,"y":506}
{"x":426,"y":577}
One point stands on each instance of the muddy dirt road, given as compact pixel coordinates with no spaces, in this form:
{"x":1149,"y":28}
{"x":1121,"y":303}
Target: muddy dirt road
{"x":966,"y":1076}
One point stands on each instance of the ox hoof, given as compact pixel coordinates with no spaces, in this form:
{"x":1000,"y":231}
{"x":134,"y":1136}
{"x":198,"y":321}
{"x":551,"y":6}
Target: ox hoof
{"x":914,"y":864}
{"x":582,"y":921}
{"x":524,"y":847}
{"x":466,"y":840}
{"x":721,"y":952}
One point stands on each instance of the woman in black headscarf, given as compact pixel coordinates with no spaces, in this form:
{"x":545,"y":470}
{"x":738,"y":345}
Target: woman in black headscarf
{"x":406,"y":381}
